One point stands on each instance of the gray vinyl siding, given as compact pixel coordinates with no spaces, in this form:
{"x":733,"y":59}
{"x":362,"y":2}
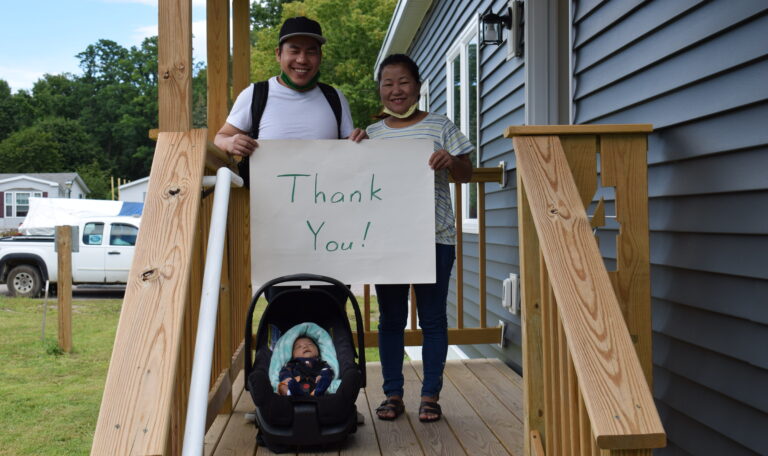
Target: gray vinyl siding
{"x":501,"y":104}
{"x":698,"y":71}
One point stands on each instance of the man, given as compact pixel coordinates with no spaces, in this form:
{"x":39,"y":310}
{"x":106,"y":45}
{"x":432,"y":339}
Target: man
{"x":296,"y":107}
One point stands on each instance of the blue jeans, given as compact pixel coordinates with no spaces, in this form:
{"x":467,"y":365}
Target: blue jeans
{"x":431,"y":302}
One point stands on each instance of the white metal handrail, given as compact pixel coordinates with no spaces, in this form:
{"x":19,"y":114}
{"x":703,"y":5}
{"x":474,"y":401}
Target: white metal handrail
{"x":197,"y":405}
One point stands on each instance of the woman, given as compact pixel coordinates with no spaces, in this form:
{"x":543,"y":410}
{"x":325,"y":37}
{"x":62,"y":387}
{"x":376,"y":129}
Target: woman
{"x":399,"y":88}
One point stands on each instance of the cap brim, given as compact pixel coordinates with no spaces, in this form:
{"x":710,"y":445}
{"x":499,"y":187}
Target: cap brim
{"x":311,"y":35}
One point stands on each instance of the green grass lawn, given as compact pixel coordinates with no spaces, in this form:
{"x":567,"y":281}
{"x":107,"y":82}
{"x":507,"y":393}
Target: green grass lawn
{"x":49,"y":402}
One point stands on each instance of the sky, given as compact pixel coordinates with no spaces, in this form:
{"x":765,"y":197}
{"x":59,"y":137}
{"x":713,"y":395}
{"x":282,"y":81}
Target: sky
{"x":44,"y":36}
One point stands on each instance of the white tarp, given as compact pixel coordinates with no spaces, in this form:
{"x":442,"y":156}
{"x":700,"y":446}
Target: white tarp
{"x":357,"y":212}
{"x":46,"y":213}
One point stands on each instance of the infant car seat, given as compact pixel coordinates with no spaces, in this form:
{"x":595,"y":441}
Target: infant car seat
{"x":288,"y":422}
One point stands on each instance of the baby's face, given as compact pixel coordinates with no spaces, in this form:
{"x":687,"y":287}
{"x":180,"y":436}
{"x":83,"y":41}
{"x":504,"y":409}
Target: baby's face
{"x":305,"y":348}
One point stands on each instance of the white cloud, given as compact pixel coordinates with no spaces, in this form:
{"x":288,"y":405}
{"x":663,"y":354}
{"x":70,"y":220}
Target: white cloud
{"x":199,"y":34}
{"x":143,"y":32}
{"x":20,"y":78}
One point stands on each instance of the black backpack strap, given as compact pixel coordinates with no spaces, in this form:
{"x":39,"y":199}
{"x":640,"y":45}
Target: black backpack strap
{"x":333,"y":99}
{"x":258,"y":103}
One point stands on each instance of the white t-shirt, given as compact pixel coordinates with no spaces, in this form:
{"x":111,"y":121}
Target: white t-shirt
{"x":290,"y":114}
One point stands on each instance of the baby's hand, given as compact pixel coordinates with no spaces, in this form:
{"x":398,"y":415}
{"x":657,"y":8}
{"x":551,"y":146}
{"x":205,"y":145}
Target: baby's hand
{"x":323,"y":381}
{"x":296,"y":388}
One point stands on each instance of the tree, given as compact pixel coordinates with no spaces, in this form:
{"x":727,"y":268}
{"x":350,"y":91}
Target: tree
{"x":7,"y":114}
{"x":119,"y":87}
{"x":16,"y":110}
{"x":266,"y":13}
{"x":97,"y":180}
{"x":50,"y":145}
{"x":354,"y":39}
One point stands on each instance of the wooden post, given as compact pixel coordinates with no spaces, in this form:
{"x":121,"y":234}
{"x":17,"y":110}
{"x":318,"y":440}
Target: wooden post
{"x":531,"y":316}
{"x":64,"y":249}
{"x":217,"y":24}
{"x":174,"y":66}
{"x":241,"y":46}
{"x":459,"y":257}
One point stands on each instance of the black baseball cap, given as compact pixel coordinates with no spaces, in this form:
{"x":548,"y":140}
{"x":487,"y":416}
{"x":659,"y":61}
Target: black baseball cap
{"x":301,"y":26}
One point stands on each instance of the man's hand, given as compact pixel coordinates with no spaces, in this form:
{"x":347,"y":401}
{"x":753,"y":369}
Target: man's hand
{"x":242,"y":145}
{"x":235,"y":141}
{"x":357,"y":135}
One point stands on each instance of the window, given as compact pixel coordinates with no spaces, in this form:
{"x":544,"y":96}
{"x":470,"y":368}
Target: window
{"x":93,"y":233}
{"x":424,"y":96}
{"x":17,"y":203}
{"x":462,"y":79}
{"x":123,"y":234}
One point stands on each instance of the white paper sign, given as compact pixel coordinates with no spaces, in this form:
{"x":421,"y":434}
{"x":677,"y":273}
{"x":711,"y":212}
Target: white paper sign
{"x":357,"y":212}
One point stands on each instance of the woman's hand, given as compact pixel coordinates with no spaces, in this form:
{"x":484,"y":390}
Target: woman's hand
{"x":459,"y":166}
{"x":357,"y":135}
{"x":441,"y":159}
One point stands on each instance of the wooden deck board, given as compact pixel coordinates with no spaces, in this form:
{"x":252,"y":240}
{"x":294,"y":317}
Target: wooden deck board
{"x":239,"y":438}
{"x":395,"y":437}
{"x":497,"y":383}
{"x":482,"y":406}
{"x":472,"y":431}
{"x":435,"y":438}
{"x":481,"y":394}
{"x":363,"y":442}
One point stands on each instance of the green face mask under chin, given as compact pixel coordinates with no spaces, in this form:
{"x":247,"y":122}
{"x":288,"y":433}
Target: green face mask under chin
{"x":404,"y":115}
{"x":300,"y":88}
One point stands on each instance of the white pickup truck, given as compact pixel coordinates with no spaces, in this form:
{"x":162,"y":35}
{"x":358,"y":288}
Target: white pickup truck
{"x":103,"y":254}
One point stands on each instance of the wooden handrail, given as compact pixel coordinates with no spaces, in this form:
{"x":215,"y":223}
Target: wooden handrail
{"x":215,"y":158}
{"x":592,"y":129}
{"x":611,"y":381}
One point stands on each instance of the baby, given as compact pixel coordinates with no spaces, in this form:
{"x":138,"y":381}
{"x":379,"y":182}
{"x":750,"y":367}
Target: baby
{"x":305,"y":374}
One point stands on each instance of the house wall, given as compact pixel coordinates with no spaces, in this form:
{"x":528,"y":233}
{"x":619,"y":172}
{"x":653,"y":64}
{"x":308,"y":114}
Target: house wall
{"x":502,"y":99}
{"x":21,"y":185}
{"x":698,"y":71}
{"x":77,"y":192}
{"x":134,"y":193}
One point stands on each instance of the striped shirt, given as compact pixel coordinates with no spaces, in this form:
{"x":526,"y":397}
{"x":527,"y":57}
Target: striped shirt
{"x":445,"y":135}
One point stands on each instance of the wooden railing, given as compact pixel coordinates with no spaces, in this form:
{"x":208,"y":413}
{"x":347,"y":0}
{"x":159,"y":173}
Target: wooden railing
{"x":586,"y":331}
{"x":460,"y":335}
{"x":145,"y":396}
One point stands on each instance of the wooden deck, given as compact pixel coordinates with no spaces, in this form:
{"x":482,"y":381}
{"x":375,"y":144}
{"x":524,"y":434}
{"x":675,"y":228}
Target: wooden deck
{"x":482,"y":402}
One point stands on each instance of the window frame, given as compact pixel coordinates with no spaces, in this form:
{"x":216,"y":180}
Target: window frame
{"x":424,"y":100}
{"x":13,"y":203}
{"x":459,"y":49}
{"x":118,"y":226}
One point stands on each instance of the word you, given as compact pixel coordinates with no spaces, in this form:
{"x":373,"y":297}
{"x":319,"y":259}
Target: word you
{"x":333,"y":246}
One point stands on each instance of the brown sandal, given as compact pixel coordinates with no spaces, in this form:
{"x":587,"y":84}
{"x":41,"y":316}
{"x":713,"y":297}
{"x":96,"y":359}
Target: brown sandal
{"x":432,"y":408}
{"x":391,"y":404}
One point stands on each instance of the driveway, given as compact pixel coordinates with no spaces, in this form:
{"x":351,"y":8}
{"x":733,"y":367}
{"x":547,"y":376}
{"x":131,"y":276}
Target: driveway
{"x":88,"y":291}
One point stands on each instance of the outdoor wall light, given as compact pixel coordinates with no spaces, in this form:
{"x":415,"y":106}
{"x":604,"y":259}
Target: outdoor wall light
{"x":492,"y":27}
